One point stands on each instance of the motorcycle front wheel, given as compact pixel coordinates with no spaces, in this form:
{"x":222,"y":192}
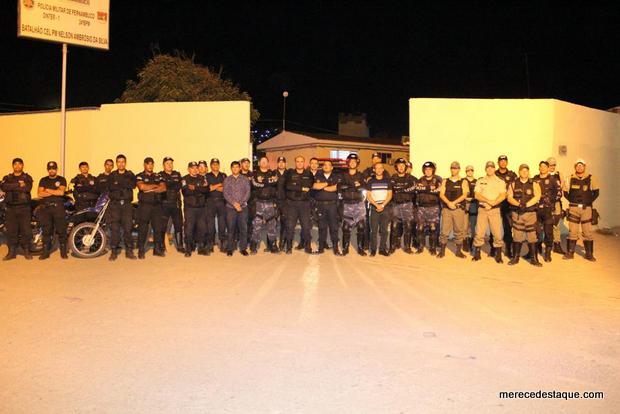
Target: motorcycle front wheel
{"x":86,"y":245}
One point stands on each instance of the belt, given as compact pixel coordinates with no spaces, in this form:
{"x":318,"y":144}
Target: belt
{"x":53,"y":204}
{"x":327,"y":201}
{"x":579,"y":205}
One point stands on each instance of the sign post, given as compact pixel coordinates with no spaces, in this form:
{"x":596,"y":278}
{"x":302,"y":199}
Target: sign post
{"x":76,"y":22}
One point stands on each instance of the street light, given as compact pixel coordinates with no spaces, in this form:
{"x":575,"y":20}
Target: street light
{"x":284,"y":96}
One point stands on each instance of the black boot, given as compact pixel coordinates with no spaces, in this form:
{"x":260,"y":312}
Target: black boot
{"x":534,"y":253}
{"x":129,"y":254}
{"x":491,"y":248}
{"x":45,"y":253}
{"x":466,"y":244}
{"x":346,"y":240}
{"x":189,"y":248}
{"x":557,"y":248}
{"x":432,"y":244}
{"x":159,"y":250}
{"x":113,"y":254}
{"x":589,"y":246}
{"x":26,"y":250}
{"x":393,"y":237}
{"x":570,"y":249}
{"x":421,"y":241}
{"x":289,"y":247}
{"x":301,"y":245}
{"x":498,"y":255}
{"x":508,"y":249}
{"x":223,"y":246}
{"x":63,"y":250}
{"x":141,"y":254}
{"x":458,"y":252}
{"x":547,"y":256}
{"x":407,"y":240}
{"x":271,"y":245}
{"x":12,"y":254}
{"x":475,"y":252}
{"x":202,"y":250}
{"x":361,"y":238}
{"x":335,"y":249}
{"x":442,"y":251}
{"x":516,"y":253}
{"x":253,"y":248}
{"x":321,"y":247}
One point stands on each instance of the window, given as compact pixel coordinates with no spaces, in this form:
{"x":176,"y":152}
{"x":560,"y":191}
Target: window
{"x":339,"y":154}
{"x":385,"y":157}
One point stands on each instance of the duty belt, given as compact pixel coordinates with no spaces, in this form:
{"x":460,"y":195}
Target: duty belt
{"x":326,"y":201}
{"x":579,"y":205}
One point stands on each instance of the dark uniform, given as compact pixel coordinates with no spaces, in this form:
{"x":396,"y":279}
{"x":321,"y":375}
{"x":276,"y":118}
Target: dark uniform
{"x":327,"y":210}
{"x":281,"y":197}
{"x":18,"y":212}
{"x":427,"y":213}
{"x":264,"y":186}
{"x":120,"y":211}
{"x":471,"y":215}
{"x":52,"y":216}
{"x":216,"y":211}
{"x":403,"y":210}
{"x":508,"y":177}
{"x":581,"y":192}
{"x":84,"y":191}
{"x":550,"y":193}
{"x":352,"y":189}
{"x":194,"y":210}
{"x":150,"y":214}
{"x":523,"y":220}
{"x":297,"y":189}
{"x":101,"y":183}
{"x":171,"y":206}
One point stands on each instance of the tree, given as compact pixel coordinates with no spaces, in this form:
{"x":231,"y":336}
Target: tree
{"x":178,"y":78}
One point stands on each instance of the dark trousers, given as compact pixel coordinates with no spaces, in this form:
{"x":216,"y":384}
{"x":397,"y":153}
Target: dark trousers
{"x":53,"y":220}
{"x":121,"y":217}
{"x":216,"y":211}
{"x":237,"y":223}
{"x":18,"y":228}
{"x":171,"y":211}
{"x":149,"y":214}
{"x":83,"y":204}
{"x":194,"y":226}
{"x":379,"y":223}
{"x":299,"y":210}
{"x":544,"y":225}
{"x":328,"y":219}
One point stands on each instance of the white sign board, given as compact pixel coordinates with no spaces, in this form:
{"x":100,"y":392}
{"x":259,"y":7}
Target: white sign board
{"x":75,"y":22}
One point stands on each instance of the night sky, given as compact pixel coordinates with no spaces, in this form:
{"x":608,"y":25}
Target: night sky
{"x":350,"y":57}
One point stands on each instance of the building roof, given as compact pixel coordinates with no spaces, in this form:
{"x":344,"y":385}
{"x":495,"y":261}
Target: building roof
{"x":292,"y":139}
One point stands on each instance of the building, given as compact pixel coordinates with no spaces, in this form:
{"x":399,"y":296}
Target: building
{"x":336,"y":147}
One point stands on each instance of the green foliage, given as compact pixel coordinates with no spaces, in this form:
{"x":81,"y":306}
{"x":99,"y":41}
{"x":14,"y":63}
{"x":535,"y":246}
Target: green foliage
{"x":168,"y":78}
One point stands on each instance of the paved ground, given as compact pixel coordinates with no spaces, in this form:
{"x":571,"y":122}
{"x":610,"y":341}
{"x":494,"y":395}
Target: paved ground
{"x":288,"y":334}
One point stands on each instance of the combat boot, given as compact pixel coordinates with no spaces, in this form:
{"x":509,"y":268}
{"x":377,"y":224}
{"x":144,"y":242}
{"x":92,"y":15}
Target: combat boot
{"x":570,"y":249}
{"x":129,"y":254}
{"x":557,"y":247}
{"x":253,"y":248}
{"x":534,"y":255}
{"x":442,"y":251}
{"x":421,"y":242}
{"x":475,"y":253}
{"x":498,"y":255}
{"x":589,"y":247}
{"x":467,"y":244}
{"x":63,"y":250}
{"x":516,"y":253}
{"x":547,"y":256}
{"x":12,"y":254}
{"x":346,"y":240}
{"x":459,"y":252}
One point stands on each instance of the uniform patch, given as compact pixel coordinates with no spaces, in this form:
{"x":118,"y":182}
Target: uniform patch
{"x":91,"y":182}
{"x":528,"y":191}
{"x":57,"y":183}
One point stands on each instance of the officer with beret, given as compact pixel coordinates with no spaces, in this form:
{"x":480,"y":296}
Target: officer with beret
{"x":121,"y":184}
{"x":84,"y":188}
{"x":171,"y":203}
{"x":151,"y":187}
{"x":51,"y":213}
{"x":17,"y":186}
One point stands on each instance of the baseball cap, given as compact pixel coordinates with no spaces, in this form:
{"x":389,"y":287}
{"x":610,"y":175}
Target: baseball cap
{"x":203,"y":162}
{"x":149,"y":160}
{"x":244,"y":160}
{"x":489,"y":164}
{"x":502,"y":157}
{"x":52,"y":165}
{"x":469,"y":167}
{"x":522,"y":166}
{"x":192,"y":164}
{"x":580,"y":161}
{"x":455,"y":164}
{"x":375,"y":155}
{"x":551,"y":161}
{"x":214,"y":161}
{"x":281,"y":158}
{"x":353,"y":156}
{"x":168,"y":159}
{"x":19,"y":160}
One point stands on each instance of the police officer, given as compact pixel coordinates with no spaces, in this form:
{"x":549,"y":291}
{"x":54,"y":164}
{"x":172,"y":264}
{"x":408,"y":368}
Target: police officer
{"x":379,"y":196}
{"x":84,"y":188}
{"x":490,"y":191}
{"x":151,"y":187}
{"x":403,"y":211}
{"x":121,"y":183}
{"x":581,"y":190}
{"x":264,"y":192}
{"x":202,"y":168}
{"x":17,"y":186}
{"x":550,"y":190}
{"x":427,"y":193}
{"x":102,"y":179}
{"x":281,"y":196}
{"x":216,"y":206}
{"x":558,"y":213}
{"x":453,"y":193}
{"x":297,"y":183}
{"x":524,"y":196}
{"x":313,"y":167}
{"x":171,"y":203}
{"x":51,"y":213}
{"x":194,"y":188}
{"x":246,"y":171}
{"x":471,"y":209}
{"x":352,"y":189}
{"x":326,"y":184}
{"x":508,"y":177}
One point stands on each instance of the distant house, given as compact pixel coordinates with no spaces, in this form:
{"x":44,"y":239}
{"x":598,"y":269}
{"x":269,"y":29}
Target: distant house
{"x":336,"y":147}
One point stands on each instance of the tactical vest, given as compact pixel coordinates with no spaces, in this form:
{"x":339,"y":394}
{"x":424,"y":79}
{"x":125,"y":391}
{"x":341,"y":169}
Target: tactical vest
{"x":428,"y":191}
{"x":350,"y":192}
{"x":399,"y":187}
{"x":524,"y":192}
{"x":580,"y":190}
{"x":173,"y":187}
{"x":454,"y":189}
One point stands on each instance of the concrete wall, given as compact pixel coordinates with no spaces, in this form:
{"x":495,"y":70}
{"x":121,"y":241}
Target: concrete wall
{"x":473,"y":131}
{"x":186,"y":131}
